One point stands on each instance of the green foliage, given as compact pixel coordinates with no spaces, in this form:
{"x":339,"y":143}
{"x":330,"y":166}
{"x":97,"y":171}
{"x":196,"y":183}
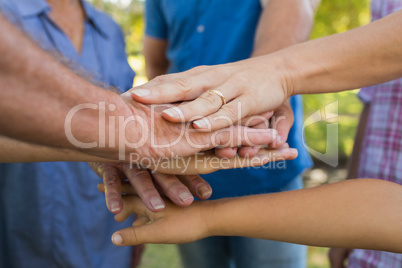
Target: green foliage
{"x":160,"y":256}
{"x":130,"y":18}
{"x":349,"y":110}
{"x":336,"y":16}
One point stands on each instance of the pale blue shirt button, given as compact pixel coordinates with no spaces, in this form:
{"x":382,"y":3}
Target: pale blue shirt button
{"x":200,"y":28}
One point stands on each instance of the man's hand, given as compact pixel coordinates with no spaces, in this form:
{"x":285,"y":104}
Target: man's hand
{"x":148,"y":136}
{"x":179,"y":189}
{"x":281,"y":120}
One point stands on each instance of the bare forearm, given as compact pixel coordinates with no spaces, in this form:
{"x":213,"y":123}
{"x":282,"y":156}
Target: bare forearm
{"x":154,"y":70}
{"x":156,"y":62}
{"x":13,"y":151}
{"x":364,"y":56}
{"x":358,"y":214}
{"x":283,"y":23}
{"x":38,"y":92}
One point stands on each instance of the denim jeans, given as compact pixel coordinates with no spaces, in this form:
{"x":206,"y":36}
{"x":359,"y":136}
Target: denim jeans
{"x":242,"y":252}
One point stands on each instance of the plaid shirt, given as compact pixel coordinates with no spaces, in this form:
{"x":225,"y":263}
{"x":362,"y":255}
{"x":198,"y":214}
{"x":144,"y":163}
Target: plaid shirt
{"x":381,"y":155}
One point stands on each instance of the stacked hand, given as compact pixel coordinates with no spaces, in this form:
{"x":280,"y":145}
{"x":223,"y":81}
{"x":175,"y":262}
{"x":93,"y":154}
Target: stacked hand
{"x":249,"y":87}
{"x":180,"y":189}
{"x":160,"y":138}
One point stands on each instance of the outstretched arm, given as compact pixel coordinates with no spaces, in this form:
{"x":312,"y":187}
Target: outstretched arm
{"x":14,"y":151}
{"x":43,"y":102}
{"x":38,"y":92}
{"x":364,"y":56}
{"x":364,"y":213}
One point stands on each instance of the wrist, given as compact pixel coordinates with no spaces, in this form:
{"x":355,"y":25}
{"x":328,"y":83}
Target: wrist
{"x":287,"y":74}
{"x":216,"y":225}
{"x":93,"y":126}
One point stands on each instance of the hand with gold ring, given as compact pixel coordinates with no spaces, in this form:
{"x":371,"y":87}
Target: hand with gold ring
{"x":214,"y":101}
{"x":216,"y":98}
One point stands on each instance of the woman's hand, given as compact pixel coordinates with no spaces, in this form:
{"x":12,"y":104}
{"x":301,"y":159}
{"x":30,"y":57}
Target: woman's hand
{"x":249,"y":87}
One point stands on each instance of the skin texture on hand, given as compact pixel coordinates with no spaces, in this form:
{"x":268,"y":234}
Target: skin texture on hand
{"x":149,"y":186}
{"x":160,"y":138}
{"x":180,"y":189}
{"x":335,"y":215}
{"x":241,"y":92}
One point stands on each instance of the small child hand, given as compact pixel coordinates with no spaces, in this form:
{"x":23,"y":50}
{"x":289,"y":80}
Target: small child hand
{"x":173,"y":225}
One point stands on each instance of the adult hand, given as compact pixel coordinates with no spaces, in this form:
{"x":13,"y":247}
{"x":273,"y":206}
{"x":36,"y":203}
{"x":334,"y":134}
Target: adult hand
{"x":151,"y":137}
{"x":281,"y":120}
{"x":179,"y":189}
{"x":338,"y":257}
{"x":148,"y":186}
{"x":250,"y":87}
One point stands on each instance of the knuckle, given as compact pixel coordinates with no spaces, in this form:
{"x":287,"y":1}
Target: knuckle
{"x":132,"y":236}
{"x":112,"y":181}
{"x":141,"y":181}
{"x":224,"y":138}
{"x":137,"y":173}
{"x":219,"y":71}
{"x":242,"y":78}
{"x":174,"y":186}
{"x":199,"y":69}
{"x":210,"y":99}
{"x":230,"y":110}
{"x":162,"y":78}
{"x":192,"y":180}
{"x":182,"y":83}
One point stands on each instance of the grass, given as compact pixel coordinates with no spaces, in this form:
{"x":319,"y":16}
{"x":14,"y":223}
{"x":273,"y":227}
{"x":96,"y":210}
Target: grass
{"x":167,"y":256}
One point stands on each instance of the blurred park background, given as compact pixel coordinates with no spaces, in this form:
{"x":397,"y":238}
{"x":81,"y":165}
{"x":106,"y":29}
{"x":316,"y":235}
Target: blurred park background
{"x":333,"y":16}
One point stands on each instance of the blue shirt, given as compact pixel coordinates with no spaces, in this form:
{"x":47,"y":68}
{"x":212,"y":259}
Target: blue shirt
{"x":208,"y":32}
{"x":51,"y":214}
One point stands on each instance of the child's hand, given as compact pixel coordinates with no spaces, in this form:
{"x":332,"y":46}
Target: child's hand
{"x":173,"y":225}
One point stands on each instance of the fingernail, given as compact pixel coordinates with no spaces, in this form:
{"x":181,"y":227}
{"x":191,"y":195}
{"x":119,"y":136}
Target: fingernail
{"x":184,"y":196}
{"x":274,"y":133}
{"x":141,"y":92}
{"x":263,"y":158}
{"x":201,"y":123}
{"x":117,"y":239}
{"x":173,"y":112}
{"x":157,"y":203}
{"x":279,"y":139}
{"x":293,"y":151}
{"x":115,"y":206}
{"x":204,"y":191}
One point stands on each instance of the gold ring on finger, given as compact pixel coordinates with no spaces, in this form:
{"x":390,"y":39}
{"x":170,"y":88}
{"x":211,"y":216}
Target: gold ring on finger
{"x":223,"y":99}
